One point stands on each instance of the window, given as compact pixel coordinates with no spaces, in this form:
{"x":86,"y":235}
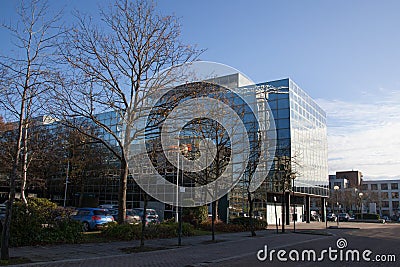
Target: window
{"x":364,"y":187}
{"x":337,"y":184}
{"x":385,"y":204}
{"x":282,"y":124}
{"x":283,"y":133}
{"x":283,"y":113}
{"x":100,"y":212}
{"x":385,"y":195}
{"x":395,"y":194}
{"x":395,"y":205}
{"x":283,"y":103}
{"x":83,"y":212}
{"x":273,"y":104}
{"x":384,"y":186}
{"x":374,"y":186}
{"x":394,"y":186}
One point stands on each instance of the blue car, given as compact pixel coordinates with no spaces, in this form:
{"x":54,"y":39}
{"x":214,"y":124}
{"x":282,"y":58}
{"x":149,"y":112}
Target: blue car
{"x":93,"y":218}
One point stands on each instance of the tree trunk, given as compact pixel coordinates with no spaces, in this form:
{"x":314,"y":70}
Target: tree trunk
{"x":25,"y":129}
{"x":251,"y":220}
{"x":213,"y":218}
{"x":123,"y":185}
{"x":25,"y":164}
{"x":82,"y":189}
{"x":5,"y":235}
{"x":145,"y":200}
{"x":122,"y":190}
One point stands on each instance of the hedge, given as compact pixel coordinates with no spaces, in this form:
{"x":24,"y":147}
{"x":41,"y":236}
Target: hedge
{"x":367,"y":216}
{"x":152,"y":231}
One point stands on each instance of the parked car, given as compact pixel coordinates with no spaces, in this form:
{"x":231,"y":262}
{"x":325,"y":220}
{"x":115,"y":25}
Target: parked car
{"x":331,"y":217}
{"x":151,"y":215}
{"x":258,"y":215}
{"x":93,"y":218}
{"x":315,"y":217}
{"x":387,"y":218}
{"x":131,"y":217}
{"x":109,"y":206}
{"x":344,"y":217}
{"x":243,"y":214}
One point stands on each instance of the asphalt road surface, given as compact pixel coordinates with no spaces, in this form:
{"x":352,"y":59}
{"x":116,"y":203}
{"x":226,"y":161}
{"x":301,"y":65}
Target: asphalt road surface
{"x":382,"y":240}
{"x":373,"y":241}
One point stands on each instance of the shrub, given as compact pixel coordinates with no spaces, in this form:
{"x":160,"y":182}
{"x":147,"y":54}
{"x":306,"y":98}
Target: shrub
{"x":67,"y":231}
{"x":153,"y":231}
{"x":245,"y":222}
{"x":122,"y":231}
{"x":367,"y":216}
{"x":195,"y":215}
{"x":40,"y":223}
{"x":222,"y":227}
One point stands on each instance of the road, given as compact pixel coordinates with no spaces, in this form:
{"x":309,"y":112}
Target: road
{"x":241,"y":250}
{"x":381,"y":240}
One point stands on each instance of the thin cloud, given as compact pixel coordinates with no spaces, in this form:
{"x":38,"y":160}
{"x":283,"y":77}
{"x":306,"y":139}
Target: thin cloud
{"x":365,"y":136}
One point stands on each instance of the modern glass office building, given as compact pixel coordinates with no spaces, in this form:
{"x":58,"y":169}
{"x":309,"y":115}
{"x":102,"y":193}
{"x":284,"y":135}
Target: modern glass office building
{"x":300,"y":168}
{"x":301,"y":135}
{"x":299,"y":163}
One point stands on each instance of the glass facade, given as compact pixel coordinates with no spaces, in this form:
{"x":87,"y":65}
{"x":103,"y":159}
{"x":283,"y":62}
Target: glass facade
{"x":301,"y":137}
{"x":300,"y":155}
{"x":300,"y":162}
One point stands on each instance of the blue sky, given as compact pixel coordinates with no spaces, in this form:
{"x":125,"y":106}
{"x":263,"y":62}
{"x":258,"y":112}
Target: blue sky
{"x":345,"y":54}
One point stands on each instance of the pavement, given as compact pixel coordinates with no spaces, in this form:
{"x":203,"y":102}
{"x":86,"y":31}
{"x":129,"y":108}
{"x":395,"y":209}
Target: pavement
{"x":195,"y":250}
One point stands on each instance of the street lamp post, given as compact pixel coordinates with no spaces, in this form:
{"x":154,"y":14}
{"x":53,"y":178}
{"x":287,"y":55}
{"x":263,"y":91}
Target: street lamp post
{"x":276,"y":216}
{"x":293,"y":176}
{"x":336,"y":188}
{"x":361,"y":204}
{"x":177,"y":189}
{"x":66,"y":184}
{"x":326,"y":218}
{"x":185,"y":150}
{"x":356,"y":205}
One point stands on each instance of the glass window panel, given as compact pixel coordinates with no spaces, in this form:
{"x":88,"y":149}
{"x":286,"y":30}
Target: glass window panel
{"x":284,"y":123}
{"x":283,"y":113}
{"x":283,"y":103}
{"x":364,"y":187}
{"x":283,"y":96}
{"x":273,"y":104}
{"x":272,"y":97}
{"x":283,"y":133}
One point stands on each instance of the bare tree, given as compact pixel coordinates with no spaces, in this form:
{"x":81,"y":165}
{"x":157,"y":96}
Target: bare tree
{"x":249,"y":172}
{"x":113,"y":68}
{"x":24,"y":77}
{"x":210,"y":128}
{"x":86,"y":159}
{"x":214,"y":131}
{"x":42,"y":154}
